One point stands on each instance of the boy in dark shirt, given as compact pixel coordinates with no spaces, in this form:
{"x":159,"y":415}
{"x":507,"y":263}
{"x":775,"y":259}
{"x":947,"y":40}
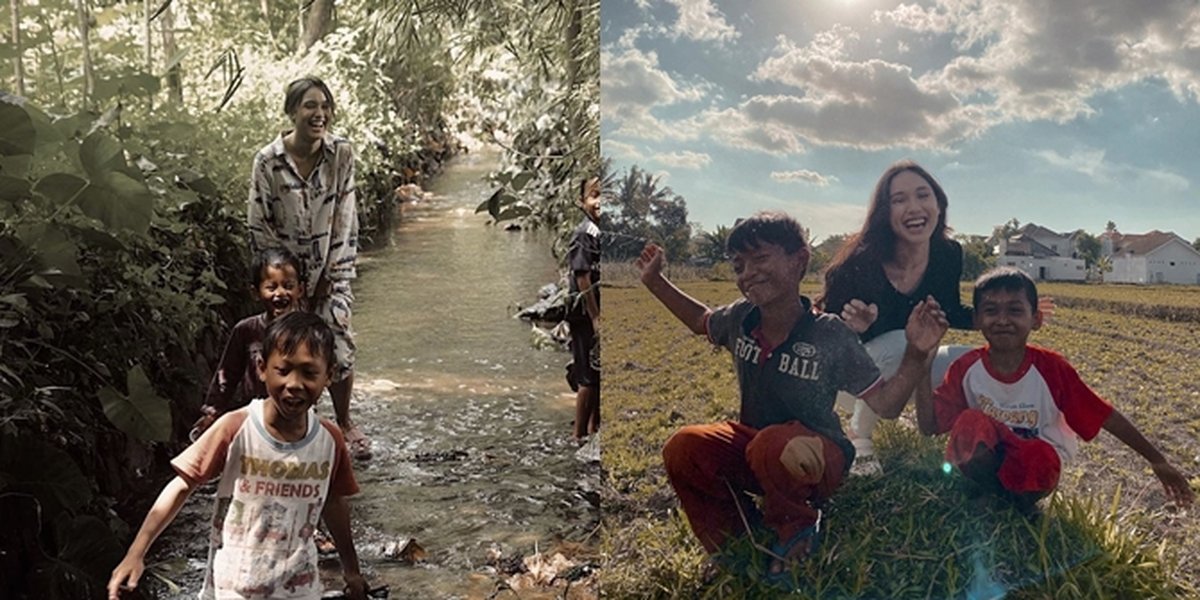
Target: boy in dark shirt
{"x":277,"y":285}
{"x":583,"y":258}
{"x":788,"y":444}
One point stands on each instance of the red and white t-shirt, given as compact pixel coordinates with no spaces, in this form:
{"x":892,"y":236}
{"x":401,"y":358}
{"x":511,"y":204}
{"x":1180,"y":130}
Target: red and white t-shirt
{"x":268,"y":502}
{"x":1043,"y":398}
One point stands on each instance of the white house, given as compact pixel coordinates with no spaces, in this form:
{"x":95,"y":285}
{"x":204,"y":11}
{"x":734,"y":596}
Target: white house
{"x":1043,"y":254}
{"x":1155,"y":257}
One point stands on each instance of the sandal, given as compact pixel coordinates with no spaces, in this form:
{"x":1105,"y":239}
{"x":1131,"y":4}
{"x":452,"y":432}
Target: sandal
{"x":358,"y":443}
{"x":781,"y":550}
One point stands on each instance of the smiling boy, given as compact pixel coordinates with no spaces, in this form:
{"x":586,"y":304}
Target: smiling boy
{"x":1014,"y":411}
{"x":787,"y":444}
{"x":281,"y":469}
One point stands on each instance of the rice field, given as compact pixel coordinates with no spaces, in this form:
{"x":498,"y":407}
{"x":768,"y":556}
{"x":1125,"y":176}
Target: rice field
{"x":917,"y":532}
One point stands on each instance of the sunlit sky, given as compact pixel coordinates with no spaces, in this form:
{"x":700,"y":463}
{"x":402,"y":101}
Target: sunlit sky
{"x":1067,"y":114}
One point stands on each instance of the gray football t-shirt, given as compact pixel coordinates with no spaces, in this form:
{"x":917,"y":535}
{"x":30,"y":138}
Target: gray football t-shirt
{"x":799,"y":379}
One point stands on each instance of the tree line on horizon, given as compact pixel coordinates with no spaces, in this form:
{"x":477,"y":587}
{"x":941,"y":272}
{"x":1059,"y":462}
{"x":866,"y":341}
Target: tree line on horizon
{"x":640,"y":208}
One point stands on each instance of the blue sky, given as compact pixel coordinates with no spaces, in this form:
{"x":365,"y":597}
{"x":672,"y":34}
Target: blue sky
{"x":1067,"y":114}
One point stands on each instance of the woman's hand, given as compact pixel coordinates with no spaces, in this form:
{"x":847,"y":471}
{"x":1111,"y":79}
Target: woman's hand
{"x":926,"y":325}
{"x":859,"y":315}
{"x":125,"y":576}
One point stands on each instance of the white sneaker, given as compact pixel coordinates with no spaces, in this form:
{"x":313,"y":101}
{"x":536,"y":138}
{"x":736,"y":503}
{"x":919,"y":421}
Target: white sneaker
{"x":866,"y":464}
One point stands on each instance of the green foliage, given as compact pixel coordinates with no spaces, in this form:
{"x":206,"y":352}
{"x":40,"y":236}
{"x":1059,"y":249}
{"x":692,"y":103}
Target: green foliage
{"x":140,"y":413}
{"x":1088,"y":247}
{"x":977,"y":256}
{"x":642,"y":210}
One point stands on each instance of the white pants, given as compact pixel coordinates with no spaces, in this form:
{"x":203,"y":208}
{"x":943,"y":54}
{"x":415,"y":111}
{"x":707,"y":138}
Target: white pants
{"x":887,"y":350}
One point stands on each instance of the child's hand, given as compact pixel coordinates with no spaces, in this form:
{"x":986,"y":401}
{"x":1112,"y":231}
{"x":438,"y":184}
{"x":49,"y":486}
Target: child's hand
{"x":1175,"y":484}
{"x":651,"y":261}
{"x":208,"y":415}
{"x":926,"y":325}
{"x":130,"y":570}
{"x":859,"y":315}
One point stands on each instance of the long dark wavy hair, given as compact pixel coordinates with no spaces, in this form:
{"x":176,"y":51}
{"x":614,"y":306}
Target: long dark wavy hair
{"x":876,"y":239}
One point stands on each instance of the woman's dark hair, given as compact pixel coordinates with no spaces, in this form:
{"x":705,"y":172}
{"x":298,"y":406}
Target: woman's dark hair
{"x":287,"y":332}
{"x":273,"y":257}
{"x":876,"y":238}
{"x":299,"y":87}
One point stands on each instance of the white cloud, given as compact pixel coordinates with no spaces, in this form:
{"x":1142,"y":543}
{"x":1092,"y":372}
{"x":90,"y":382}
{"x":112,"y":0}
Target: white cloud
{"x":1092,"y":162}
{"x":731,"y":127}
{"x":700,"y":20}
{"x":1041,"y":60}
{"x":871,"y":104}
{"x":633,"y":85}
{"x":618,"y":149}
{"x":804,"y":175}
{"x":685,"y":159}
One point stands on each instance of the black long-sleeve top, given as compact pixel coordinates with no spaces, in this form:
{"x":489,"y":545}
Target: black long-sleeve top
{"x":863,"y":278}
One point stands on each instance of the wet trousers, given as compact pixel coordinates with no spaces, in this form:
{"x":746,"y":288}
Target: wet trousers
{"x":713,"y":467}
{"x":1022,"y":466}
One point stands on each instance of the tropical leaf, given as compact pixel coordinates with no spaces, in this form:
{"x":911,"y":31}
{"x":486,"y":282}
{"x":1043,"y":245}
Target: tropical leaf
{"x":17,"y":133}
{"x":14,"y":188}
{"x":100,"y":154}
{"x":141,"y":413}
{"x":120,"y":202}
{"x":34,"y":467}
{"x":60,"y":188}
{"x":54,"y":249}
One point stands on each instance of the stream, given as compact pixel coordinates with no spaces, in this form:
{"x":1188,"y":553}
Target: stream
{"x":470,"y":425}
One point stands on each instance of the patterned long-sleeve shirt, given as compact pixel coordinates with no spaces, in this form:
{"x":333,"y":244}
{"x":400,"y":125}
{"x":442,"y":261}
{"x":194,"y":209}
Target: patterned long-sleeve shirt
{"x":316,"y":219}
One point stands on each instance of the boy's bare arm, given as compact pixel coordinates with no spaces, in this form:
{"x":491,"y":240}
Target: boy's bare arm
{"x":685,"y":308}
{"x":926,"y":326}
{"x":923,"y":397}
{"x":337,"y":518}
{"x":584,"y":282}
{"x":169,"y":501}
{"x":1174,"y":482}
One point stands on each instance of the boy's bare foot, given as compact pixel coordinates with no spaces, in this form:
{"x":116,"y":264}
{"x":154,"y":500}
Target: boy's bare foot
{"x":358,"y":443}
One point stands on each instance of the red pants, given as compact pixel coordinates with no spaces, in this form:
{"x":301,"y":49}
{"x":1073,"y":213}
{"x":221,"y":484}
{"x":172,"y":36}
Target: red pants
{"x":712,"y":466}
{"x":1026,"y":465}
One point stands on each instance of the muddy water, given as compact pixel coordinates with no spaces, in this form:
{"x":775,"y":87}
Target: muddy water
{"x":470,"y":424}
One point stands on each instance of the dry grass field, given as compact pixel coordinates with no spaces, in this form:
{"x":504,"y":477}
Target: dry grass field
{"x":914,"y":533}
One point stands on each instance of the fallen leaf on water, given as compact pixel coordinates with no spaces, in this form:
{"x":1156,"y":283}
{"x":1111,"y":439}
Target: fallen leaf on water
{"x":407,"y":551}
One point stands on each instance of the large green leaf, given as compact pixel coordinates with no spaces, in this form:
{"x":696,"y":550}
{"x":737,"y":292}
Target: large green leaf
{"x":55,"y":250}
{"x":101,"y":153}
{"x":13,"y":189}
{"x":60,"y":188}
{"x":88,"y":543}
{"x":141,"y":414}
{"x":34,"y":467}
{"x":17,"y":134}
{"x":119,"y":201}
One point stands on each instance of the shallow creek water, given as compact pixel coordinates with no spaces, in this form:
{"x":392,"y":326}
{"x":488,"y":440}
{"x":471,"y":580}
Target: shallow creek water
{"x":470,"y":424}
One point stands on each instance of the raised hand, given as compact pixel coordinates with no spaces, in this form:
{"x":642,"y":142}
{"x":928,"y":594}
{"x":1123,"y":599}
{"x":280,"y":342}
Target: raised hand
{"x":651,"y":261}
{"x":926,"y":325}
{"x":859,"y":315}
{"x":1175,"y":484}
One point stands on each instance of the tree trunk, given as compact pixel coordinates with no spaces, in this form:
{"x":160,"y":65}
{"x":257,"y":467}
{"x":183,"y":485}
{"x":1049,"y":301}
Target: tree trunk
{"x":175,"y":73}
{"x":89,"y":81}
{"x":320,"y":21}
{"x":19,"y":70}
{"x":266,"y":14}
{"x":300,"y":25}
{"x":574,"y":29}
